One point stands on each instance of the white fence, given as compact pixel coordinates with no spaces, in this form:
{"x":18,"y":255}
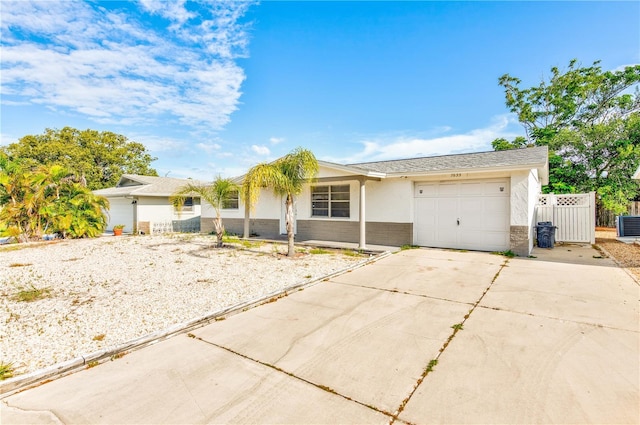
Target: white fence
{"x":574,"y":216}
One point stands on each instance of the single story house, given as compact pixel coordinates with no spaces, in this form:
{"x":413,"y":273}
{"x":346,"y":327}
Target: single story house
{"x":478,"y":201}
{"x":142,"y":204}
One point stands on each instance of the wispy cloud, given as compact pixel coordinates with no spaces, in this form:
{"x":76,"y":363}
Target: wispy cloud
{"x":209,"y":147}
{"x":260,"y":150}
{"x":276,"y":140}
{"x":107,"y":62}
{"x":384,"y":148}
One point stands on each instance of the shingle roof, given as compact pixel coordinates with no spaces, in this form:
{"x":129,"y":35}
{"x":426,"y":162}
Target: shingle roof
{"x":134,"y":184}
{"x":536,"y":157}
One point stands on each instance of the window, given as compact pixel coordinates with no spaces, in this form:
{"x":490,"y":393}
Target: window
{"x":231,"y":202}
{"x":330,"y":201}
{"x":187,"y":206}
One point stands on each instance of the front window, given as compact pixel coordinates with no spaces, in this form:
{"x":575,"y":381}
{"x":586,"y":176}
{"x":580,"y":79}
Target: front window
{"x":231,"y":201}
{"x":330,"y":201}
{"x":187,"y":206}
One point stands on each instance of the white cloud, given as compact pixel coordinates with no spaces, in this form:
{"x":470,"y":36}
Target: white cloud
{"x":383,"y":148}
{"x":260,"y":150}
{"x":276,"y":140}
{"x":209,"y":147}
{"x":113,"y":67}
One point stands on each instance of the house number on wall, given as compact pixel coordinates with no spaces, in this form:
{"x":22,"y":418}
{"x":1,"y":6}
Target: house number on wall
{"x":456,"y":175}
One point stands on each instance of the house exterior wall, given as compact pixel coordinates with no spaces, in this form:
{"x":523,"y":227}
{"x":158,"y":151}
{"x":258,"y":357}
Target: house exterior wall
{"x":155,"y":209}
{"x":389,"y":214}
{"x":525,"y":187}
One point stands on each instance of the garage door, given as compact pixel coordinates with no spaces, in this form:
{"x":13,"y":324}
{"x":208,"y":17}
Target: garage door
{"x":120,"y":212}
{"x":464,"y":215}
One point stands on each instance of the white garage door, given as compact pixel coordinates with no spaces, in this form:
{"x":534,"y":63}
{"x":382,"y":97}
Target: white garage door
{"x":463,"y":215}
{"x":120,"y":212}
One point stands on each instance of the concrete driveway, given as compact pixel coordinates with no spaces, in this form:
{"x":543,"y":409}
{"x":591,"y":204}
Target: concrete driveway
{"x":421,"y":336}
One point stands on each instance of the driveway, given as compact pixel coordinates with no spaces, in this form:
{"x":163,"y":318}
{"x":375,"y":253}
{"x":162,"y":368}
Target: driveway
{"x":421,"y":336}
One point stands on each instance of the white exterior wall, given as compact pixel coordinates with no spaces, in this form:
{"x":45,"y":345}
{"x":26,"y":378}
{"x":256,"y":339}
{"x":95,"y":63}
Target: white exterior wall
{"x":158,"y":209}
{"x":268,"y":206}
{"x":520,"y":215}
{"x":389,"y":200}
{"x":525,"y":188}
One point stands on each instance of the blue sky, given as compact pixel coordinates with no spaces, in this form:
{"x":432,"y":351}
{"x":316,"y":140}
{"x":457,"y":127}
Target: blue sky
{"x":216,"y":87}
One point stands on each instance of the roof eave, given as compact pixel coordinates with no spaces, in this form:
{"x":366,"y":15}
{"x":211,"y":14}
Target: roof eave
{"x":352,"y":170}
{"x":543,"y":171}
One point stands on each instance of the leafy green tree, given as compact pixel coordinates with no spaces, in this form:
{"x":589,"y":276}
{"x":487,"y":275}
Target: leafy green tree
{"x":47,"y":199}
{"x":286,"y":176}
{"x":99,"y":157}
{"x":590,"y":119}
{"x":216,"y":194}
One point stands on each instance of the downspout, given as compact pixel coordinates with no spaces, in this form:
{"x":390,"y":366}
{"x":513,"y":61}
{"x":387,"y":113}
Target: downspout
{"x":363,"y":227}
{"x":135,"y":215}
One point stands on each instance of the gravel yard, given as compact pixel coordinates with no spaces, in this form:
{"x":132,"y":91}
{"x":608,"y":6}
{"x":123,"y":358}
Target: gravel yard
{"x":64,"y":299}
{"x":627,"y":255}
{"x":68,"y":298}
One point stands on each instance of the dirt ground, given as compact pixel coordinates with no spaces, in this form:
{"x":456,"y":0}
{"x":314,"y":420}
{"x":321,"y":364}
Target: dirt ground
{"x":628,"y":255}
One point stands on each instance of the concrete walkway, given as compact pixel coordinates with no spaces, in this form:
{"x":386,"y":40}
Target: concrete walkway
{"x":421,"y":336}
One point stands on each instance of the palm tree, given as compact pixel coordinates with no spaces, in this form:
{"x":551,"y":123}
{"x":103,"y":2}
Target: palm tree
{"x":286,"y":176}
{"x":216,"y":194}
{"x":47,"y":199}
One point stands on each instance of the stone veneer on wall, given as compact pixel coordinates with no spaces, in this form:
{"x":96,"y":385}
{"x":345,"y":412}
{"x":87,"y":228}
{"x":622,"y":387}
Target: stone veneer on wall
{"x":519,"y":240}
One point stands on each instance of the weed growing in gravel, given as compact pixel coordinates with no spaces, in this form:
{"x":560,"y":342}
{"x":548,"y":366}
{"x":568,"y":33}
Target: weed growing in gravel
{"x":19,"y":264}
{"x":457,"y":327}
{"x":99,"y":337}
{"x":319,"y":251}
{"x":6,"y":370}
{"x":32,"y":293}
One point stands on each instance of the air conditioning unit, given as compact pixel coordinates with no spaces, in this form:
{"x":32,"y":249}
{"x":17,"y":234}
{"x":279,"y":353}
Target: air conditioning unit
{"x":628,"y":225}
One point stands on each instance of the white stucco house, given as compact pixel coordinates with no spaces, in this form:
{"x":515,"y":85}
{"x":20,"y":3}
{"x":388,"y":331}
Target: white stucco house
{"x":478,"y":201}
{"x":141,"y":203}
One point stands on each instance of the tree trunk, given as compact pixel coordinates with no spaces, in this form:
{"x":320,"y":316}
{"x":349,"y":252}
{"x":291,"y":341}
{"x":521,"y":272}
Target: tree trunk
{"x":217,"y":224}
{"x":289,"y":220}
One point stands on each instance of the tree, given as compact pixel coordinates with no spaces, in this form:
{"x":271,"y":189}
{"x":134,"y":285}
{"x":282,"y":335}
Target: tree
{"x":47,"y":199}
{"x":100,"y":157}
{"x":591,"y":122}
{"x":216,"y":194}
{"x":286,"y":176}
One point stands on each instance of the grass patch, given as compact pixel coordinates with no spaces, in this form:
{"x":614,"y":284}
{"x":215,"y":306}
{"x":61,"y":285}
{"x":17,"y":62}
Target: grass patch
{"x":32,"y":294}
{"x":92,"y":364}
{"x":6,"y":371}
{"x":352,"y":253}
{"x":408,"y":246}
{"x":508,"y":253}
{"x":457,"y":327}
{"x":319,"y":251}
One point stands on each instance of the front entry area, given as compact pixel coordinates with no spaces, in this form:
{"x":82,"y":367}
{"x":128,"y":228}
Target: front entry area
{"x":471,"y":214}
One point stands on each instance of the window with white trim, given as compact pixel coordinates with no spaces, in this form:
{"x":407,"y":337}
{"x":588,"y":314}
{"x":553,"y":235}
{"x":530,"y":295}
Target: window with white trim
{"x":231,"y":202}
{"x":187,"y":205}
{"x":330,"y":201}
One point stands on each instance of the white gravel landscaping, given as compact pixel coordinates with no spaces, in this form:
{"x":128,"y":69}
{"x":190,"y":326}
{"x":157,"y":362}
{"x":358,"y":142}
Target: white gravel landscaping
{"x":99,"y":293}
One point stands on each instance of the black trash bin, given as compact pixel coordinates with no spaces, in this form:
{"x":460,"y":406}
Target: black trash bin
{"x":546,"y":234}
